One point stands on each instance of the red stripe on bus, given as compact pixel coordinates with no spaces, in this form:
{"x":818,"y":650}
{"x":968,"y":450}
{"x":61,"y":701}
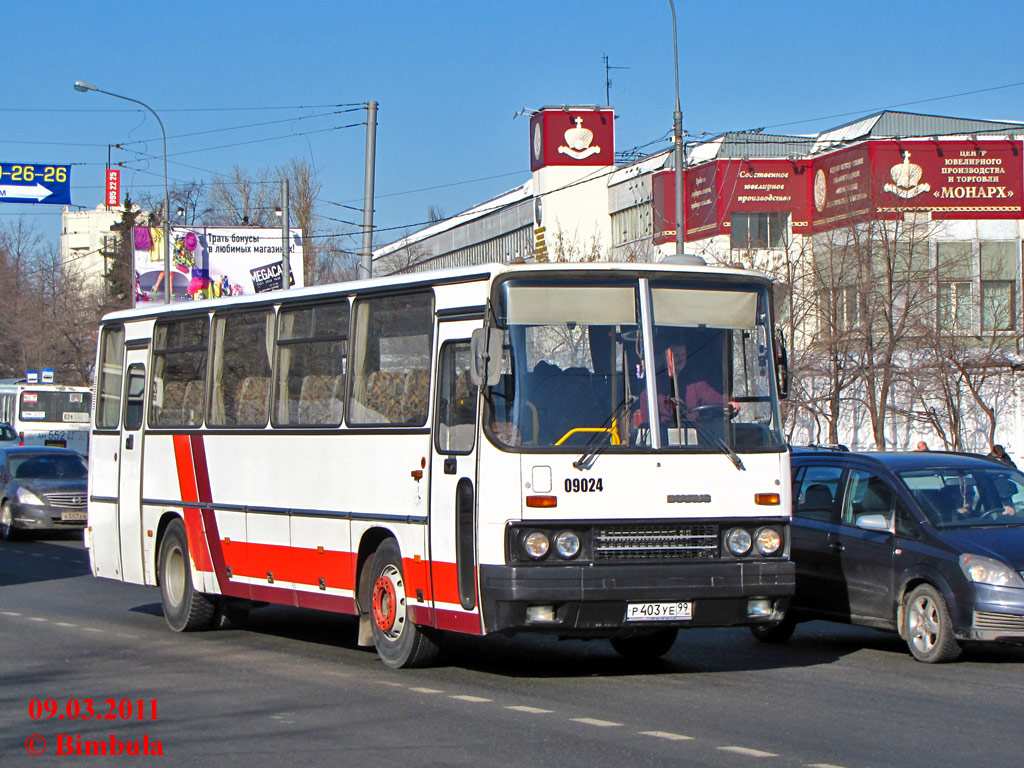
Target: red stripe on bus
{"x":197,"y":544}
{"x":468,"y":623}
{"x":446,"y":582}
{"x":294,"y":564}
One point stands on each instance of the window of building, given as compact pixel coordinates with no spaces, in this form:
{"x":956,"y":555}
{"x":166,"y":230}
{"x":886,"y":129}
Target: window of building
{"x":632,"y":224}
{"x":956,"y":286}
{"x":759,"y":230}
{"x":998,"y":280}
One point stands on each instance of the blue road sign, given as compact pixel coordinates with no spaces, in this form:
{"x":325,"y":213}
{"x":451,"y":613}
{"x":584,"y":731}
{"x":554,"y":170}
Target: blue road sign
{"x":26,"y":183}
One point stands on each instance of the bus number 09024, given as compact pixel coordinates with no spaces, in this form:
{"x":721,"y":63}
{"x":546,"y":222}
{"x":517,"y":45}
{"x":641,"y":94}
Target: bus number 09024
{"x":584,"y":484}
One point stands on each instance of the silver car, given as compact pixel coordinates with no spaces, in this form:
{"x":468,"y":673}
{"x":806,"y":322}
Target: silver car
{"x":41,"y":489}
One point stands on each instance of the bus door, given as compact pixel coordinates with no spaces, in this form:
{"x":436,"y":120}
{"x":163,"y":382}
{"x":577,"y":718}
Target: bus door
{"x":453,"y":474}
{"x":129,"y":506}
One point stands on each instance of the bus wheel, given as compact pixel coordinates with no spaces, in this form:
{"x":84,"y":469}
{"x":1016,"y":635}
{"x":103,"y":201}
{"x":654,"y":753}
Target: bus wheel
{"x":7,"y":530}
{"x":645,"y":645}
{"x":399,"y":642}
{"x":185,"y":609}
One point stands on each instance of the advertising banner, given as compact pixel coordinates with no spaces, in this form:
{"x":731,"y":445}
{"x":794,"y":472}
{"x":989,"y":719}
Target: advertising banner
{"x":954,"y":179}
{"x":572,"y":137}
{"x":210,"y":262}
{"x":764,"y":186}
{"x":113,"y":188}
{"x":841,"y":187}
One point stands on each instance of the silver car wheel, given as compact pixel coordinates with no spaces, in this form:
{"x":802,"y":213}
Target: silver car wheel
{"x":923,"y":623}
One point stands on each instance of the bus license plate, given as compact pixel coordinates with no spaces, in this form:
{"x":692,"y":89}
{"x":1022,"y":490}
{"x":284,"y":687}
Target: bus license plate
{"x":69,"y":517}
{"x":659,"y":611}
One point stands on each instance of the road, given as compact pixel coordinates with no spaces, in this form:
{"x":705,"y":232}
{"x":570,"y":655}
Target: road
{"x":293,"y":689}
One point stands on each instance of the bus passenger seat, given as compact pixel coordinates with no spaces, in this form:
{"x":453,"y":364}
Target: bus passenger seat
{"x":315,"y":400}
{"x":252,"y":402}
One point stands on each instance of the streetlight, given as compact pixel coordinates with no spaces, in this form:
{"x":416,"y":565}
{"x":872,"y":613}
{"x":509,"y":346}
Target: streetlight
{"x":677,"y":138}
{"x":84,"y":87}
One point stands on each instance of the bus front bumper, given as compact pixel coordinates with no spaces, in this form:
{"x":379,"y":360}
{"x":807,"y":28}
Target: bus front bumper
{"x":591,"y":600}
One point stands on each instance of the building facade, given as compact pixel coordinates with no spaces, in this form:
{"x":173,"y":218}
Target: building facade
{"x":895,"y":241}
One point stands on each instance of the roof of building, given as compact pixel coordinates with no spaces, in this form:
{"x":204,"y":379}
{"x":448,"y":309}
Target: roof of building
{"x":889,"y":125}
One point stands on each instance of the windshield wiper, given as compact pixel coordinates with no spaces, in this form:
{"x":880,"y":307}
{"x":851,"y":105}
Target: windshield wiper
{"x":591,"y":450}
{"x":703,"y":432}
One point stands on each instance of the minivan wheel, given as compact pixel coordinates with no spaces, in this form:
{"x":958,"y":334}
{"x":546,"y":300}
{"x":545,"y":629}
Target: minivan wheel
{"x":928,"y":627}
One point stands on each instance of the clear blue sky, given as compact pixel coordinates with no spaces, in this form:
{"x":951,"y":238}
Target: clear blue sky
{"x":449,"y":76}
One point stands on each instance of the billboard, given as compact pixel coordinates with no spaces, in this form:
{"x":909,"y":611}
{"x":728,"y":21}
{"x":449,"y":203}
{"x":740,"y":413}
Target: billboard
{"x":210,"y":262}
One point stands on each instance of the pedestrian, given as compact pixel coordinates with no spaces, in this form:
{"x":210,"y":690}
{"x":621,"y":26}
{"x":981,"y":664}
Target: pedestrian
{"x":1000,"y":455}
{"x":921,"y":446}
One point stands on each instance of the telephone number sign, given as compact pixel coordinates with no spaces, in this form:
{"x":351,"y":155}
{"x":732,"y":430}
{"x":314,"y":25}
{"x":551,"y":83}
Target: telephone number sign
{"x":28,"y":183}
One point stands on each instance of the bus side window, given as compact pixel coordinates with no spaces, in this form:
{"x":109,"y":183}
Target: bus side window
{"x":456,"y":405}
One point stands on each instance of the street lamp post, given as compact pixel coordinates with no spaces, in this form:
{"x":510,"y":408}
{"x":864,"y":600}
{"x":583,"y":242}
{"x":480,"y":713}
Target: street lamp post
{"x":677,"y":140}
{"x":84,"y":87}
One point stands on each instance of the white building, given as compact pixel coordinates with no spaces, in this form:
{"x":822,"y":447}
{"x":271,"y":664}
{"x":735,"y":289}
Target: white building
{"x":85,"y":237}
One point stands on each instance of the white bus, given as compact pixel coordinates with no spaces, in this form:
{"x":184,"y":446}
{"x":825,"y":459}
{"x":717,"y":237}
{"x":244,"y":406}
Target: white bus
{"x":460,"y":451}
{"x":47,"y":414}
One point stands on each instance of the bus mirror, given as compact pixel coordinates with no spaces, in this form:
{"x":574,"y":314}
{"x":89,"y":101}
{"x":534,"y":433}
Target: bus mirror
{"x":485,"y":352}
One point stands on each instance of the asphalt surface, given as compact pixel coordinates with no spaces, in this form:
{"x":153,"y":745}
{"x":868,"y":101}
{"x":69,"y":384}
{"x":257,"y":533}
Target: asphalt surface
{"x":293,"y":688}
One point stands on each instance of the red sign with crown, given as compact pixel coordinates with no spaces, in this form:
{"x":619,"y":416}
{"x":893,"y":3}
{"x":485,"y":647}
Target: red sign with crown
{"x":572,"y":136}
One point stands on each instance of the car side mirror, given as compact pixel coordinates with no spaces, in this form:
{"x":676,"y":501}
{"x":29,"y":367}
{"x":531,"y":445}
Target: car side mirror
{"x":873,"y":522}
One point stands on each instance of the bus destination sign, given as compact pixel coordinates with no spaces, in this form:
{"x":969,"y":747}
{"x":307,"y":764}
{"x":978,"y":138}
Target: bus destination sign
{"x":27,"y":183}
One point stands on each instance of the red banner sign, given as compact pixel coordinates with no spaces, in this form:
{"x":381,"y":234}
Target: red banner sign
{"x":113,"y":188}
{"x":572,"y":137}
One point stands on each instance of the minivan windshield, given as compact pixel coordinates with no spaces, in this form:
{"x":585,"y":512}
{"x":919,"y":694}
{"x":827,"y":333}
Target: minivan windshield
{"x":958,"y":498}
{"x":576,"y":367}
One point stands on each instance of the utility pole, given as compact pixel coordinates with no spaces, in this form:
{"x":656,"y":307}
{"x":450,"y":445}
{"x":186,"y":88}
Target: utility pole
{"x":286,"y":263}
{"x":366,"y":260}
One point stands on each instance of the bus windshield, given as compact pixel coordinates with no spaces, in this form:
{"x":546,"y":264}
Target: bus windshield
{"x":577,"y":366}
{"x":54,"y":406}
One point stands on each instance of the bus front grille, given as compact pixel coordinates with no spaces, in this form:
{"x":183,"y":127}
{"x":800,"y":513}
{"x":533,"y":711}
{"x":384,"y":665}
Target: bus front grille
{"x":656,"y":542}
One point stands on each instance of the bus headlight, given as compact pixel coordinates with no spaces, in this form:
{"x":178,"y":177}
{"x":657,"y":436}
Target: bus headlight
{"x":536,"y":544}
{"x":767,"y":541}
{"x":567,"y":544}
{"x":25,"y":496}
{"x":738,"y":541}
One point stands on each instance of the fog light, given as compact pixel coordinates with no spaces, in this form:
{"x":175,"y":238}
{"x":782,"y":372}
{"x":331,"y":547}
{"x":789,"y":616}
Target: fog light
{"x":539,"y":613}
{"x":759,"y":608}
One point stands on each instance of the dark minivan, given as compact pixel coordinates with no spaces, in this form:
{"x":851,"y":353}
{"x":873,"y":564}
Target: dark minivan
{"x":928,"y":544}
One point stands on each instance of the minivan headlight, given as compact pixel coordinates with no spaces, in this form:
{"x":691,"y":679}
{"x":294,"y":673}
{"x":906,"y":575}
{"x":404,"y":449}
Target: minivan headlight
{"x":985,"y":570}
{"x":25,"y":496}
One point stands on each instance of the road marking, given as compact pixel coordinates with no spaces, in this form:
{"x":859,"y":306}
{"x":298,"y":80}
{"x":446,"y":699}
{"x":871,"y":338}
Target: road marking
{"x":10,"y":613}
{"x":126,"y":635}
{"x":37,"y":618}
{"x":823,"y":765}
{"x":747,"y":751}
{"x":91,"y":629}
{"x":530,"y":710}
{"x":64,"y":624}
{"x":471,"y":699}
{"x":392,"y":684}
{"x":426,"y":690}
{"x":666,"y":735}
{"x":597,"y":723}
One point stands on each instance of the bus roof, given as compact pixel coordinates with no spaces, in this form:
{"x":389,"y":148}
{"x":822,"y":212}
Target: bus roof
{"x":450,"y":275}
